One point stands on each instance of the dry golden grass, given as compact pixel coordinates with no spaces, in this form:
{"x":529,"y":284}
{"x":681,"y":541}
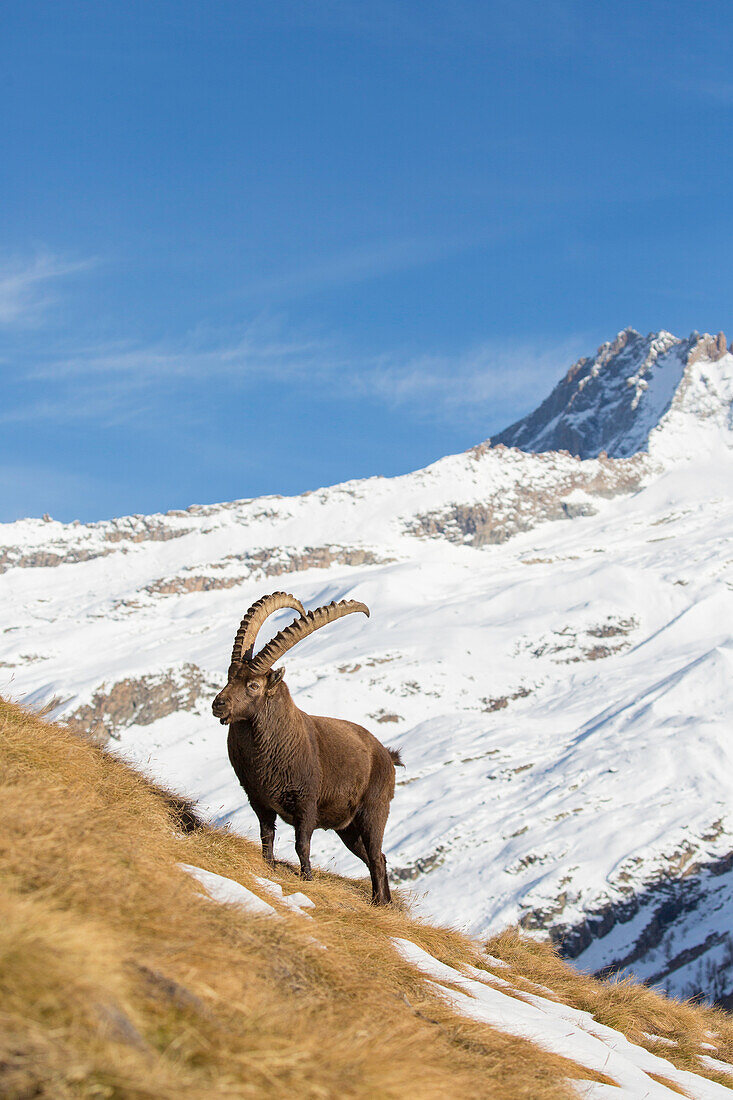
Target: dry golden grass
{"x":625,"y":1005}
{"x":119,"y":980}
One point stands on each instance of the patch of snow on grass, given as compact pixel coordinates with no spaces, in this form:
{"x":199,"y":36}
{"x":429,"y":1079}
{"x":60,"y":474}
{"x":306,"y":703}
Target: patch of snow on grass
{"x":497,"y":962}
{"x":296,"y":902}
{"x":565,"y":1031}
{"x":228,"y":892}
{"x":714,"y":1063}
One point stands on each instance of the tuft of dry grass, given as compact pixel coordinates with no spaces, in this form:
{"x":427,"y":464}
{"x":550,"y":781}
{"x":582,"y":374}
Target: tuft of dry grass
{"x":667,"y":1083}
{"x":644,"y":1016}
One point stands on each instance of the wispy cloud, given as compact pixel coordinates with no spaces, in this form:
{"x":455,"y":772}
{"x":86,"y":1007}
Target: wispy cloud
{"x":115,"y":382}
{"x":370,"y":260}
{"x":143,"y":365}
{"x":119,"y":382}
{"x":112,"y":384}
{"x":468,"y":385}
{"x":27,"y":285}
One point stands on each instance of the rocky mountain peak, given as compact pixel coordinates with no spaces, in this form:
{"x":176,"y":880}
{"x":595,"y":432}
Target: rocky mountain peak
{"x":708,"y":347}
{"x":612,"y":401}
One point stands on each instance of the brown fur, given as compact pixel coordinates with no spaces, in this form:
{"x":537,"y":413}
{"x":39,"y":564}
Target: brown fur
{"x":313,"y":772}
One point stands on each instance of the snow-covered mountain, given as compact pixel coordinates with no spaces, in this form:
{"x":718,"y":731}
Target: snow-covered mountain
{"x":610,"y":403}
{"x":550,"y":646}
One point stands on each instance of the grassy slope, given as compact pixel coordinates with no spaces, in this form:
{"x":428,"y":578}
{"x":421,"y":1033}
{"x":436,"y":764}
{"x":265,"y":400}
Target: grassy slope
{"x":118,"y":979}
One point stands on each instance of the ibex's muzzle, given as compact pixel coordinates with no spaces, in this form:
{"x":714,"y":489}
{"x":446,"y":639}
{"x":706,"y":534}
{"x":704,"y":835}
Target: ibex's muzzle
{"x":220,"y":709}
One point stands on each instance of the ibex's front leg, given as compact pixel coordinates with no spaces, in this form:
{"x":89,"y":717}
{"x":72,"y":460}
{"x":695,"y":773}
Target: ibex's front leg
{"x":304,"y":827}
{"x":267,"y":832}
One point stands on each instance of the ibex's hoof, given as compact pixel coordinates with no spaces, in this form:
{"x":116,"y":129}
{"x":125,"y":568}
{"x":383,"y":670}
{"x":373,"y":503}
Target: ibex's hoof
{"x":307,"y":875}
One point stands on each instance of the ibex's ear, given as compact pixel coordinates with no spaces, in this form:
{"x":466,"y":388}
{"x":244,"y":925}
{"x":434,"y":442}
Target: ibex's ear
{"x":273,"y":679}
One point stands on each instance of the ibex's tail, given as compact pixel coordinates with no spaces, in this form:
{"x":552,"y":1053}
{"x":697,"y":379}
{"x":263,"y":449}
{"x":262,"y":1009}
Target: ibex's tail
{"x":396,"y":758}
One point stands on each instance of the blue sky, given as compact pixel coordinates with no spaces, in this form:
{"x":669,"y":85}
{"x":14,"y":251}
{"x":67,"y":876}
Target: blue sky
{"x":254,"y":248}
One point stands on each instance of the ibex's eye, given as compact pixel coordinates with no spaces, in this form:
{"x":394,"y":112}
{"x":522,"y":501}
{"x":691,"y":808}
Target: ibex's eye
{"x":254,"y":687}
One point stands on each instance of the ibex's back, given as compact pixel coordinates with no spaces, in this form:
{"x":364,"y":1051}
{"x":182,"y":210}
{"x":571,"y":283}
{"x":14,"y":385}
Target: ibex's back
{"x":314,"y":772}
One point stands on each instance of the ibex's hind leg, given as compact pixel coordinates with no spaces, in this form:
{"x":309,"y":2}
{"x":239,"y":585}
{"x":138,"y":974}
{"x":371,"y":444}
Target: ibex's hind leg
{"x":352,"y":839}
{"x":372,"y":831}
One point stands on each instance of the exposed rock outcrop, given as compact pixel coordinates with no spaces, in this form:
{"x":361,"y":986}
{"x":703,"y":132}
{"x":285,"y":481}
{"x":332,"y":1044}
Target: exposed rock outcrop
{"x":266,"y":563}
{"x":139,"y":701}
{"x":505,"y":514}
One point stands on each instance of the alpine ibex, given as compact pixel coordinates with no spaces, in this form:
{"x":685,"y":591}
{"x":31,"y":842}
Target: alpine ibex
{"x":315,"y":773}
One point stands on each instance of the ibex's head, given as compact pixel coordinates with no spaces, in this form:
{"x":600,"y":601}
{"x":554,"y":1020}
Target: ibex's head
{"x":244,"y":694}
{"x":251,"y":679}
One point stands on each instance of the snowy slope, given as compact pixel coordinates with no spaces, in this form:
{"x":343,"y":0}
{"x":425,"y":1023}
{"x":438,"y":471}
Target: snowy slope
{"x":550,"y":647}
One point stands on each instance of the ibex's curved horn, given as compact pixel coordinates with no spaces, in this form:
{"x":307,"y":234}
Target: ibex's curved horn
{"x":301,"y":628}
{"x":246,"y":635}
